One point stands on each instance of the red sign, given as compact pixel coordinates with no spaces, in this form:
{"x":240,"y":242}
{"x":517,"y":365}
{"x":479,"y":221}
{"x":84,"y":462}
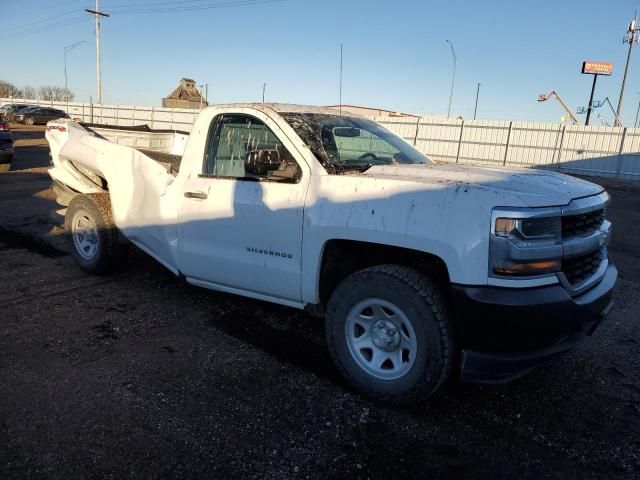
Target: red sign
{"x":597,"y":68}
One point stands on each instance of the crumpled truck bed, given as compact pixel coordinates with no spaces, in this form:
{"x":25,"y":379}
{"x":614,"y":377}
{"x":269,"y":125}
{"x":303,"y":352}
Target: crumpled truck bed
{"x":138,"y":180}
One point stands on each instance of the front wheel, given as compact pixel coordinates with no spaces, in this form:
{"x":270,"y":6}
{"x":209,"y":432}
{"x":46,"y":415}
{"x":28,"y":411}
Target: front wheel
{"x":93,"y":238}
{"x":388,"y":333}
{"x":29,"y":121}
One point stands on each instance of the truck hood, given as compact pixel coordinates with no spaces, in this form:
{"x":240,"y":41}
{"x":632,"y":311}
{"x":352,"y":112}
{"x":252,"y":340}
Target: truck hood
{"x":528,"y":187}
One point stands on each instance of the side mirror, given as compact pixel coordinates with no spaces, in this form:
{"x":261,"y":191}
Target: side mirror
{"x":262,"y":162}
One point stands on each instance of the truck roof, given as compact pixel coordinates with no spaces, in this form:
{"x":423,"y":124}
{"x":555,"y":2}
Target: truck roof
{"x":285,"y":108}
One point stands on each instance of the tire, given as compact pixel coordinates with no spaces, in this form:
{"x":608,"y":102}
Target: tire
{"x":92,"y":236}
{"x":397,"y":314}
{"x":29,"y":121}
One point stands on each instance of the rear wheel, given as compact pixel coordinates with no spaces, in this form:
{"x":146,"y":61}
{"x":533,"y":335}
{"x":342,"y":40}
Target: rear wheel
{"x":388,"y":333}
{"x":93,"y":238}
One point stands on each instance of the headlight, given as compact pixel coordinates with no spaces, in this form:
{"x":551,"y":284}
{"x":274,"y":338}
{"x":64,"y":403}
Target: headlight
{"x":525,"y":244}
{"x":518,"y":229}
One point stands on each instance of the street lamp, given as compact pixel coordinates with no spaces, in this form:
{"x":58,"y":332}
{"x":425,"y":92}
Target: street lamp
{"x":67,"y":49}
{"x":453,"y":78}
{"x":631,"y":38}
{"x":475,"y":110}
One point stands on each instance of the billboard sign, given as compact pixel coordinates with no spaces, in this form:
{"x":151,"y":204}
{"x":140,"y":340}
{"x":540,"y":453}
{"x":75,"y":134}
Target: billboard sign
{"x":597,"y":68}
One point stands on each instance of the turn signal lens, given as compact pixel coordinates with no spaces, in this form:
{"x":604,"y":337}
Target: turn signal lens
{"x":539,"y":267}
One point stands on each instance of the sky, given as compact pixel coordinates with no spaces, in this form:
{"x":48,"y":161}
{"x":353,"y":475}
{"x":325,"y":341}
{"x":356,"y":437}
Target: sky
{"x":395,"y":52}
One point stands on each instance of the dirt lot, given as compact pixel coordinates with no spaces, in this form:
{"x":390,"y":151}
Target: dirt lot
{"x":141,"y":376}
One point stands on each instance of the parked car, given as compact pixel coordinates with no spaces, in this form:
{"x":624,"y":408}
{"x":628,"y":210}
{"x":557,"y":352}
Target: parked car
{"x":3,"y":110}
{"x":6,"y":146}
{"x":38,"y":115}
{"x":421,"y":271}
{"x":9,"y":110}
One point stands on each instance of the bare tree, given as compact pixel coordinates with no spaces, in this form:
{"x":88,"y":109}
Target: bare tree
{"x":44,"y":93}
{"x":29,"y":92}
{"x":8,"y":89}
{"x":57,"y":94}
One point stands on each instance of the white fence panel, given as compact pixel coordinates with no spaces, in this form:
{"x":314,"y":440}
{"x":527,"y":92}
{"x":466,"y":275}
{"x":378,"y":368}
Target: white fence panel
{"x":594,"y":150}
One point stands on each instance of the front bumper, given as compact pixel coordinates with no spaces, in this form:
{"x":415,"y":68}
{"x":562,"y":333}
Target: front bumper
{"x":505,"y":332}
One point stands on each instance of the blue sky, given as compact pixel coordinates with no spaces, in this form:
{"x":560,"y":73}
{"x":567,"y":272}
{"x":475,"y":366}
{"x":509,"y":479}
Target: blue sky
{"x":395,"y":52}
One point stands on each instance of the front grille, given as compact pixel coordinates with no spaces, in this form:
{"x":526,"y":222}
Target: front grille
{"x":579,"y":269}
{"x":582,"y":224}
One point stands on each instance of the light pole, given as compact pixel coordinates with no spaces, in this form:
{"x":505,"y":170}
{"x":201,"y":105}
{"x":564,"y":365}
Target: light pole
{"x":67,"y":49}
{"x":264,"y":89}
{"x":635,"y":123}
{"x":341,"y":80}
{"x":475,"y":110}
{"x":631,"y":38}
{"x":453,"y":78}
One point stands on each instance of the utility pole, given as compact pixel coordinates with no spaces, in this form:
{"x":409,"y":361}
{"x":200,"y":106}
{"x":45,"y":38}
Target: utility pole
{"x":475,"y":110}
{"x":631,"y":38}
{"x":206,"y":93}
{"x":67,"y":49}
{"x":97,"y":13}
{"x":453,"y":78}
{"x":340,"y":79}
{"x":635,"y":123}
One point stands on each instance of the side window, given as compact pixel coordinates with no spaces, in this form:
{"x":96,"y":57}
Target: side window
{"x":243,"y":147}
{"x":355,"y":144}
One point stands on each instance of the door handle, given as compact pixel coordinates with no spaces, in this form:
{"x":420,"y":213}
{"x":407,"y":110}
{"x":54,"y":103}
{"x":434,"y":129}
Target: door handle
{"x":198,"y":195}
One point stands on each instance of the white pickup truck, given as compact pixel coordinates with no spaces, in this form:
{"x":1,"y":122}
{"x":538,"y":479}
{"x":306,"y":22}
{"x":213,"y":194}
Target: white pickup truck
{"x":421,"y":271}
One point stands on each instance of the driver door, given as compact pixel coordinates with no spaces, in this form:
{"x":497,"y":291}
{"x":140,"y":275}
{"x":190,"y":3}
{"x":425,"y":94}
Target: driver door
{"x":240,"y":225}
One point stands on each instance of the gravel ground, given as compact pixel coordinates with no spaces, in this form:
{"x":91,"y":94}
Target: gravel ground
{"x":139,"y":375}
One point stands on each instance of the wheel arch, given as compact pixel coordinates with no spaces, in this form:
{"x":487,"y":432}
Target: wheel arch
{"x":340,"y":258}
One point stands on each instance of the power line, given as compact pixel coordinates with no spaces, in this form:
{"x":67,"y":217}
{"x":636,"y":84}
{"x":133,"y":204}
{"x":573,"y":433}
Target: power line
{"x":178,"y":4}
{"x":45,"y":28}
{"x":204,"y":7}
{"x":35,"y":28}
{"x":129,"y":4}
{"x":131,"y":11}
{"x":44,"y":20}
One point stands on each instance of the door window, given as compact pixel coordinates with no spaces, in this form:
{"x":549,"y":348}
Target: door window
{"x":243,"y":147}
{"x":364,"y":145}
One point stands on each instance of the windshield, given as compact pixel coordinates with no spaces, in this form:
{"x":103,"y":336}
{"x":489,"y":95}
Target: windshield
{"x":343,"y":143}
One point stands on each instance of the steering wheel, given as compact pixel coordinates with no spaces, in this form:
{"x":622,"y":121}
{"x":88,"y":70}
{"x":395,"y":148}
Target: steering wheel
{"x":370,"y":155}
